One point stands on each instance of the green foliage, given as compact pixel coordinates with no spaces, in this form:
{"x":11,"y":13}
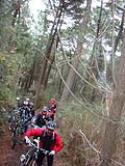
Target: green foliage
{"x":42,"y":100}
{"x":45,"y":96}
{"x":70,"y":121}
{"x":9,"y":64}
{"x":50,"y":92}
{"x":3,"y":95}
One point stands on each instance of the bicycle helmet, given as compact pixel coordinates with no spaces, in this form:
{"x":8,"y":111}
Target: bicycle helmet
{"x":31,"y":105}
{"x":45,"y":109}
{"x":25,"y":102}
{"x":51,"y":125}
{"x":17,"y":98}
{"x":52,"y":101}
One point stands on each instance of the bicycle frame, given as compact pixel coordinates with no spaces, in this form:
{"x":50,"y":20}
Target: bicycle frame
{"x":31,"y":155}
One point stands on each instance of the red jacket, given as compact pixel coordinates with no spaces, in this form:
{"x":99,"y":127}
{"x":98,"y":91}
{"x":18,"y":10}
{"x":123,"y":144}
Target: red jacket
{"x":52,"y":108}
{"x":56,"y":145}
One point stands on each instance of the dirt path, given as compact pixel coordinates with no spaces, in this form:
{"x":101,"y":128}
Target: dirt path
{"x":9,"y":157}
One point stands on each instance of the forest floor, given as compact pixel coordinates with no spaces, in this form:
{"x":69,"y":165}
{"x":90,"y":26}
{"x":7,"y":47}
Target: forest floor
{"x":10,"y":157}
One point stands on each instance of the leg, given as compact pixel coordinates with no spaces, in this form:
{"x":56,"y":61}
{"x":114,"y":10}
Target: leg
{"x":50,"y":160}
{"x":40,"y":158}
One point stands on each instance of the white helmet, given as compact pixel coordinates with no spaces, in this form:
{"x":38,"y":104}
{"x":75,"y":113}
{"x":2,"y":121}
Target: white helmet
{"x":17,"y":98}
{"x":25,"y":102}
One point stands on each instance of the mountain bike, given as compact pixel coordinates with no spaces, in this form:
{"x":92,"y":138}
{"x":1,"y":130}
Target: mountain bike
{"x":13,"y":119}
{"x":29,"y":159}
{"x":18,"y":126}
{"x":14,"y":127}
{"x":15,"y":135}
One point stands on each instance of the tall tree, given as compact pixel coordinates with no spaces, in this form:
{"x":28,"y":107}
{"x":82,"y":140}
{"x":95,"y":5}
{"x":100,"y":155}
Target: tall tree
{"x":79,"y":51}
{"x":115,"y":110}
{"x":48,"y":57}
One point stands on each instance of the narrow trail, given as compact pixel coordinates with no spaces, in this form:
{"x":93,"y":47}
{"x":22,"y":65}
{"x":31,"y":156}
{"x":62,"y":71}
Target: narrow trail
{"x":9,"y":157}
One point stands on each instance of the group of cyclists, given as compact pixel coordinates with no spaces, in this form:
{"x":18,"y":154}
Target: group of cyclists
{"x":41,"y":125}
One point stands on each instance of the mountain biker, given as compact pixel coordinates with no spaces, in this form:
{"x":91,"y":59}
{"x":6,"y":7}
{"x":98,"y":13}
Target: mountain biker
{"x":24,"y":109}
{"x":41,"y":118}
{"x":52,"y":107}
{"x":28,"y":106}
{"x":24,"y":103}
{"x":25,"y":115}
{"x":49,"y":140}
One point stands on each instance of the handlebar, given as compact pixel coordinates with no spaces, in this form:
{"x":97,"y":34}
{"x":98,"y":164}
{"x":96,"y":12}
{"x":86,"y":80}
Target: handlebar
{"x":35,"y":144}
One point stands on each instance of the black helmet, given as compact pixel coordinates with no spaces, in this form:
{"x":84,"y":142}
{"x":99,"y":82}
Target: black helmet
{"x":51,"y":125}
{"x":45,"y":109}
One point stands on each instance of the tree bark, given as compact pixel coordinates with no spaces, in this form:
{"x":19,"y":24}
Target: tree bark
{"x":79,"y":51}
{"x":115,"y":110}
{"x":51,"y":61}
{"x":43,"y":78}
{"x":16,"y":12}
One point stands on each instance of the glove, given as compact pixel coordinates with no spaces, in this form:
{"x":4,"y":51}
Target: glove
{"x":27,"y":140}
{"x":45,"y":152}
{"x":52,"y":153}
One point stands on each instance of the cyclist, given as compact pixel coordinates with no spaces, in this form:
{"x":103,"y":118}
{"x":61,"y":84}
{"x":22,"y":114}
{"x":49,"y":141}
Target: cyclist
{"x":49,"y":140}
{"x":25,"y":115}
{"x":41,"y":118}
{"x":52,"y":107}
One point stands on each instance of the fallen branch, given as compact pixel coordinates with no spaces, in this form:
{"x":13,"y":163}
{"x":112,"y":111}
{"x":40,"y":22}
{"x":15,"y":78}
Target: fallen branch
{"x":89,"y":143}
{"x":95,"y":150}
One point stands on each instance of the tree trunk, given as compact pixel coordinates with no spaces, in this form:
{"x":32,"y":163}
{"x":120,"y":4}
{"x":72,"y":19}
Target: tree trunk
{"x":51,"y":42}
{"x":51,"y":61}
{"x":79,"y":51}
{"x":115,"y":110}
{"x":71,"y":75}
{"x":44,"y":66}
{"x":48,"y":72}
{"x":16,"y":12}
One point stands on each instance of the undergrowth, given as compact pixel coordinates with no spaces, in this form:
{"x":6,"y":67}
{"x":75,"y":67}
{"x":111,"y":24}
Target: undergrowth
{"x":73,"y":119}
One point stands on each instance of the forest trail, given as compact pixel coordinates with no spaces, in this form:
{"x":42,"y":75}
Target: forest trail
{"x":9,"y":157}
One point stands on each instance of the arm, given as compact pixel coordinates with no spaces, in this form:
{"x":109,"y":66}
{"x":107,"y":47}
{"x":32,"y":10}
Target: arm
{"x":58,"y":144}
{"x":34,"y":132}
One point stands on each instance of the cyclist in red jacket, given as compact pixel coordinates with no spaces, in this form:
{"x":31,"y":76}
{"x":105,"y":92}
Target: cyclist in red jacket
{"x":52,"y":108}
{"x":49,"y":140}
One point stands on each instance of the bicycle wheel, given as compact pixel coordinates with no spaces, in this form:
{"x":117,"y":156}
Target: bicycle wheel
{"x":32,"y":162}
{"x":26,"y":160}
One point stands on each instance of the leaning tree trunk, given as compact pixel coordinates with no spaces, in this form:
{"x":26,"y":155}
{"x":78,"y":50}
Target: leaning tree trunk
{"x":17,"y":6}
{"x":71,"y":75}
{"x":79,"y":50}
{"x":44,"y":73}
{"x":115,"y":110}
{"x":51,"y":61}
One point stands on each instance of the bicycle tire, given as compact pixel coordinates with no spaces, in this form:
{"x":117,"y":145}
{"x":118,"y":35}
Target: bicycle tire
{"x":14,"y":138}
{"x":27,"y":164}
